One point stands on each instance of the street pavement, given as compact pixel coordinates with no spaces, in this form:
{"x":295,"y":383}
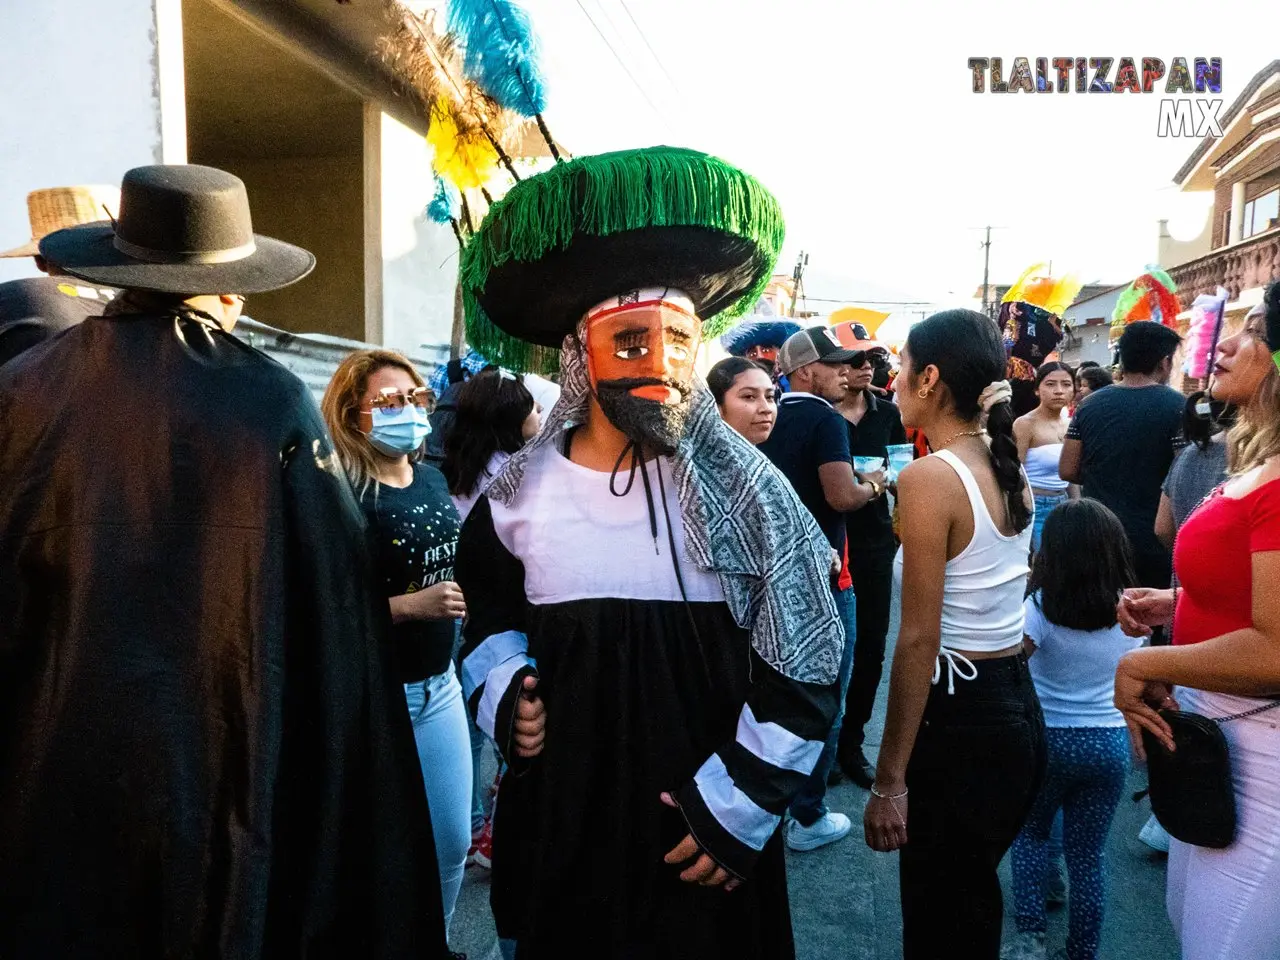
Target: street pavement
{"x":844,"y":897}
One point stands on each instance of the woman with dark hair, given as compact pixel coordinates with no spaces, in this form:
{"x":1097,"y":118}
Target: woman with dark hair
{"x":1074,"y":643}
{"x":1090,"y":380}
{"x":1039,"y":435}
{"x":1225,"y":658}
{"x":746,"y":397}
{"x":496,"y":415}
{"x":964,"y":732}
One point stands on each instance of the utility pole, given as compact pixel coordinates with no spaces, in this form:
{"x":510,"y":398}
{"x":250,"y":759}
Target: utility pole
{"x":797,"y":277}
{"x":986,"y":274}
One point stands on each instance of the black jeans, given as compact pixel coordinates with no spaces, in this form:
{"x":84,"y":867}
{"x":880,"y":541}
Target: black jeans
{"x":873,"y":586}
{"x":978,"y":762}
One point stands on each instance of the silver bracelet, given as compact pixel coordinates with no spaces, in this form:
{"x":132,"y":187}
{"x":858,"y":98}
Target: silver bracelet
{"x":884,"y":796}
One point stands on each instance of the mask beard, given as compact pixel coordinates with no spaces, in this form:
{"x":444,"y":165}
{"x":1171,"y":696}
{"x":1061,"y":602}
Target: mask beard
{"x":658,"y":425}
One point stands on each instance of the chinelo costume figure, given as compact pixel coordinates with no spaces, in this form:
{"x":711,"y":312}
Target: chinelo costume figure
{"x":652,"y":639}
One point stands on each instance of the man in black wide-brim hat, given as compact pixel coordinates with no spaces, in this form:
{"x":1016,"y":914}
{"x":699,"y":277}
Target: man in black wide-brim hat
{"x":203,"y":752}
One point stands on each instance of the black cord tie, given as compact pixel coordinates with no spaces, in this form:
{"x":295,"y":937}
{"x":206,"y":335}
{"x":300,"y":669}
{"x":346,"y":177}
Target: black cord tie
{"x":633,"y":448}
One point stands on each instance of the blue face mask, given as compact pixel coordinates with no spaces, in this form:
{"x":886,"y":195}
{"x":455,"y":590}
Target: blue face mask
{"x":398,"y":432}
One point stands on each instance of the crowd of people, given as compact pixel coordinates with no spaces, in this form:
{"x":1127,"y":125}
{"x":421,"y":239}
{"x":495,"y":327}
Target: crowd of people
{"x":257,"y":650}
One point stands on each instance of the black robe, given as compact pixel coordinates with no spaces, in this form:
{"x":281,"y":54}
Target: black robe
{"x":649,"y":688}
{"x":203,"y":749}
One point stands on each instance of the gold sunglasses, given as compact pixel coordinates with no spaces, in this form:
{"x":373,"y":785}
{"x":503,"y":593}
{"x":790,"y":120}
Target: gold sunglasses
{"x":389,"y":398}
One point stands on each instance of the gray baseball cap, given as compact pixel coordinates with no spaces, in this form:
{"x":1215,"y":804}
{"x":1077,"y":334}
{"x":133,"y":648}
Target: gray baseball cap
{"x":814,"y":345}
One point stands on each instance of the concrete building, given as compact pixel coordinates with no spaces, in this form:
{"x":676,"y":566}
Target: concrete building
{"x":1087,"y":324}
{"x":291,"y":96}
{"x":1239,"y":248}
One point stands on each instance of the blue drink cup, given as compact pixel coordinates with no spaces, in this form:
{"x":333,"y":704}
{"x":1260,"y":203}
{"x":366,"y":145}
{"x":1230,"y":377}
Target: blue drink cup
{"x":900,"y":454}
{"x":868,"y":464}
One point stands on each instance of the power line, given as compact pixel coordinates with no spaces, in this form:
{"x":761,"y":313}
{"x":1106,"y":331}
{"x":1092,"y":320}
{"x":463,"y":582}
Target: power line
{"x":624,"y":67}
{"x":656,"y":58}
{"x":890,"y":303}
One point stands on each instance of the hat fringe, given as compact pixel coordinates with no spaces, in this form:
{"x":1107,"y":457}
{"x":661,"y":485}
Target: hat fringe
{"x":613,"y":193}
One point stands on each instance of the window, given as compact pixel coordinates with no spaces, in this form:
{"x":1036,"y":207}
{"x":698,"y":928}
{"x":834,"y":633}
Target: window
{"x":1261,"y":213}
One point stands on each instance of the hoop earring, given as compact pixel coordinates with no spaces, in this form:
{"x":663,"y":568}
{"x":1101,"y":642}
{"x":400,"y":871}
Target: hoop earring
{"x":923,"y":394}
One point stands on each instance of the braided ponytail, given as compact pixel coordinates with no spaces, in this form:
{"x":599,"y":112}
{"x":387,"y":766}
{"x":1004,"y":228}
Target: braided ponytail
{"x":1004,"y":460}
{"x":966,"y":348}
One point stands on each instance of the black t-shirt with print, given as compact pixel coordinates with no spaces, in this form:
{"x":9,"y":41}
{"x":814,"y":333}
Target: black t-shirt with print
{"x":415,"y":531}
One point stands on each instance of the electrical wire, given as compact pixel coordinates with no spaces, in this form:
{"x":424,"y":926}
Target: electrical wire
{"x":656,"y":58}
{"x":625,"y":68}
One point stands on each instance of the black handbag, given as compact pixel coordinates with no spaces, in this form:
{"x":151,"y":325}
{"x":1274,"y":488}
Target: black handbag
{"x":1191,"y":790}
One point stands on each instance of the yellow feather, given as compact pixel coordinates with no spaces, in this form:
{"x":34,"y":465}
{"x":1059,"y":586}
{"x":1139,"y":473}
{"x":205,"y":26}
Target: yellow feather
{"x":463,"y":154}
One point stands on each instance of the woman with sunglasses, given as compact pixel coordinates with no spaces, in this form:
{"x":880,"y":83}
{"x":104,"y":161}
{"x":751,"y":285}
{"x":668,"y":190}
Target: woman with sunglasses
{"x":376,"y":408}
{"x":1225,"y":658}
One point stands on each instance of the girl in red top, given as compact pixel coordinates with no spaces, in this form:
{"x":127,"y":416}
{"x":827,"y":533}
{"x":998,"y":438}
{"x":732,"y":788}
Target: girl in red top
{"x":1225,"y":659}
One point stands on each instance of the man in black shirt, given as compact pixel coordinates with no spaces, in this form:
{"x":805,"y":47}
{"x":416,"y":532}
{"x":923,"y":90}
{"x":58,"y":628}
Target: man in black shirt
{"x":873,"y":423}
{"x":810,"y":445}
{"x":1122,"y":441}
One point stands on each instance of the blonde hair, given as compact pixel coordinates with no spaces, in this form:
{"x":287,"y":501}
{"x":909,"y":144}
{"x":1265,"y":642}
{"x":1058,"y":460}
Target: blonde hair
{"x":341,"y":408}
{"x":1256,"y":436}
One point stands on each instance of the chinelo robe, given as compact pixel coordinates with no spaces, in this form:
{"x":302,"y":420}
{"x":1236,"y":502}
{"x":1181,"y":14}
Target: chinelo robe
{"x":650,"y":686}
{"x":203,"y":750}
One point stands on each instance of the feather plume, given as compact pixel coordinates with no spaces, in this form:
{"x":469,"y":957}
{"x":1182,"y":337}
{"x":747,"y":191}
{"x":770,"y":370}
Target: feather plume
{"x":463,"y":154}
{"x":1039,"y":289}
{"x":446,"y":204}
{"x":1152,"y":296}
{"x":500,"y":52}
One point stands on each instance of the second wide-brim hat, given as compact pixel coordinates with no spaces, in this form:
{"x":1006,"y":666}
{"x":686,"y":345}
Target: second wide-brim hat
{"x":593,"y":227}
{"x":181,"y":229}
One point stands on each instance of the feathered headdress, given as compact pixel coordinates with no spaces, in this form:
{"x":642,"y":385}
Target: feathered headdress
{"x":1036,"y":287}
{"x":758,"y":333}
{"x":1152,"y":296}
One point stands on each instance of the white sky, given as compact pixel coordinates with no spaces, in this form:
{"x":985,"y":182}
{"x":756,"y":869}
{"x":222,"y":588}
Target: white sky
{"x":861,"y":119}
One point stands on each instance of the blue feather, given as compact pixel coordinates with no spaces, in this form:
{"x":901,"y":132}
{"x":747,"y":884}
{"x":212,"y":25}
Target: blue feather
{"x":500,"y":52}
{"x":446,"y":204}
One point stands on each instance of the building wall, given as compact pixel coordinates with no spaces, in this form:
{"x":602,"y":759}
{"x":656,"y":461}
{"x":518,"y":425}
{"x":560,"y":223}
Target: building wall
{"x":317,"y":203}
{"x":419,"y":259}
{"x":89,"y":90}
{"x":1262,"y":166}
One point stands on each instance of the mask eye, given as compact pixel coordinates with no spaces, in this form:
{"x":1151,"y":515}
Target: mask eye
{"x":678,"y":352}
{"x":631,"y":353}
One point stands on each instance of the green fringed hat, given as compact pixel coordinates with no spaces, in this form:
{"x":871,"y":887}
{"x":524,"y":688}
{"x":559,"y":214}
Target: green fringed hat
{"x":561,"y":242}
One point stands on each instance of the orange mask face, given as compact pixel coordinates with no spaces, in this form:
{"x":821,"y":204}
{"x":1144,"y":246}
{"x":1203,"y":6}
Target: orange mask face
{"x":647,"y":349}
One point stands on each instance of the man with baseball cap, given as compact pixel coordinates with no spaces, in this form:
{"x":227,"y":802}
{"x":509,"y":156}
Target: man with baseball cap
{"x":810,"y":445}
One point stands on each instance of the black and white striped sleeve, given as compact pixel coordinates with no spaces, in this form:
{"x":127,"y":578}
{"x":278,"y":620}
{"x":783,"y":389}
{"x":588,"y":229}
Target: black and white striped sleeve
{"x":737,"y":798}
{"x":495,"y":650}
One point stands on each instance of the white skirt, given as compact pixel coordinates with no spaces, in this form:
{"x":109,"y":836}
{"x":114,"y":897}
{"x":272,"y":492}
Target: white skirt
{"x":1225,"y":904}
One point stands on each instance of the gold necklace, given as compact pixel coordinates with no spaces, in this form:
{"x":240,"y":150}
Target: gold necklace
{"x":956,"y":436}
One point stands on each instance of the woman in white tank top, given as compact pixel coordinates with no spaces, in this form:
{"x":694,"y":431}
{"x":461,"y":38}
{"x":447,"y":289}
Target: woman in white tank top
{"x":964,"y":749}
{"x":1039,"y":435}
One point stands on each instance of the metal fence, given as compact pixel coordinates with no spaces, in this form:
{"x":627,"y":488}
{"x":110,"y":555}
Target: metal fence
{"x":315,"y":356}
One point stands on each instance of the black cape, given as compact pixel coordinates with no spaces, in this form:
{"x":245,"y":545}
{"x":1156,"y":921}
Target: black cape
{"x":203,"y":750}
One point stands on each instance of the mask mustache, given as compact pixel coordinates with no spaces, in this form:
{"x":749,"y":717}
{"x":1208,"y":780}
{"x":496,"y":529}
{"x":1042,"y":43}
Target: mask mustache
{"x":627,"y":384}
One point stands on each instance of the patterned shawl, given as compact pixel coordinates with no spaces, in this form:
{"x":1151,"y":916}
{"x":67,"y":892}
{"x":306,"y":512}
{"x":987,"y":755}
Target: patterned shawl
{"x":742,"y":521}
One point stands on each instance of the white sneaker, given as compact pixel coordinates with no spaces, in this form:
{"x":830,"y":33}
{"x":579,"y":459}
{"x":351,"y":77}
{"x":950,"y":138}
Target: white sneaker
{"x":1154,"y":836}
{"x":832,"y":827}
{"x":1024,"y":946}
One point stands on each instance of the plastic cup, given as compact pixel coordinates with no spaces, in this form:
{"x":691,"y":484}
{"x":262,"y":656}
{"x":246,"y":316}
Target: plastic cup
{"x":900,"y":454}
{"x":868,"y":464}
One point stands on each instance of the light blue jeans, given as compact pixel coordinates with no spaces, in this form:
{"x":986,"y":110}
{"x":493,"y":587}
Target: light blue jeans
{"x":439,"y":718}
{"x":810,"y":804}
